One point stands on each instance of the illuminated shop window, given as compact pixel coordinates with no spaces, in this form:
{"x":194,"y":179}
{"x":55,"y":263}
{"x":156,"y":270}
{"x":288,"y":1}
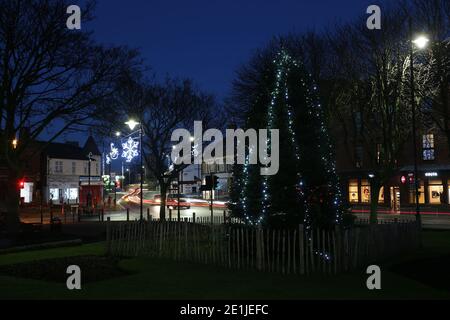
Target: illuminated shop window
{"x":365,"y":191}
{"x":381,"y":195}
{"x":412,"y":196}
{"x":53,"y":194}
{"x":353,"y":190}
{"x":435,"y":192}
{"x":448,"y":191}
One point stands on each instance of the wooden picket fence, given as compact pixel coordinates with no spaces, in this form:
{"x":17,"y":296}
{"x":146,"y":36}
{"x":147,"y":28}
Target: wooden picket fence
{"x":286,"y":251}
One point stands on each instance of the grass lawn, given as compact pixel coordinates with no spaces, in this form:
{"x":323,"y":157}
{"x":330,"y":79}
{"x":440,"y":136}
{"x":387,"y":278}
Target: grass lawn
{"x":148,"y":278}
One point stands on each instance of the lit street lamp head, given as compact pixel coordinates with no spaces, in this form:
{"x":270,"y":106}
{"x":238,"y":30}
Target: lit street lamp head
{"x":132,"y":124}
{"x":421,"y":42}
{"x":118,"y":133}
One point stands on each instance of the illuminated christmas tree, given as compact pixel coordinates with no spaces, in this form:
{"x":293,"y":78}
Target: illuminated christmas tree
{"x":306,"y":188}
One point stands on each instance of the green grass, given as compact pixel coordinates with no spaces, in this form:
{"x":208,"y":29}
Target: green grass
{"x":161,"y":279}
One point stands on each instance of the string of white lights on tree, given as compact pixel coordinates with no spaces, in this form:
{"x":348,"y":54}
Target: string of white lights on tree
{"x":283,"y":63}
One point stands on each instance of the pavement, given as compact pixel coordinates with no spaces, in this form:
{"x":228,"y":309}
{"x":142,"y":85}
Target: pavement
{"x":429,"y":221}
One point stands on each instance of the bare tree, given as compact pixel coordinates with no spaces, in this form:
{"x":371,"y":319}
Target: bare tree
{"x":48,"y":75}
{"x":161,"y":108}
{"x":372,"y":104}
{"x":433,"y":68}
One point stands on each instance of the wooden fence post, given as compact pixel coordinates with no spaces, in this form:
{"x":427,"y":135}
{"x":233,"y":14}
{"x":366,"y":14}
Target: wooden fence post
{"x":301,"y":248}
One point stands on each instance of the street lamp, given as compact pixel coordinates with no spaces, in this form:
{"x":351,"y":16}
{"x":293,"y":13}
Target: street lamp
{"x":132,"y":124}
{"x":420,"y":42}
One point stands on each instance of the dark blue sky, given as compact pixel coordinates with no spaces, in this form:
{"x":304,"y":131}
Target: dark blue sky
{"x":207,"y":40}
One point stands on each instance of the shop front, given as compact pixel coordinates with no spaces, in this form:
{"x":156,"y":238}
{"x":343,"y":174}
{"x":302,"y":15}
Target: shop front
{"x":62,"y":189}
{"x":91,"y":190}
{"x":434,"y":190}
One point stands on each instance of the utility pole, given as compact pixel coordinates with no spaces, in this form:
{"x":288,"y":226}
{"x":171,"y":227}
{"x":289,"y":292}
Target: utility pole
{"x":142,"y":174}
{"x":178,"y":194}
{"x":211,"y":196}
{"x":89,"y":195}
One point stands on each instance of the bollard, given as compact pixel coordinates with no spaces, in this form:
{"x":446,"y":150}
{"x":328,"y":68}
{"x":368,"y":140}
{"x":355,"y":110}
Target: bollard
{"x":178,"y":215}
{"x":79,"y":214}
{"x":224,"y":216}
{"x":170,"y":214}
{"x":193,"y":217}
{"x":148,"y":214}
{"x":103,"y":214}
{"x":128,"y":214}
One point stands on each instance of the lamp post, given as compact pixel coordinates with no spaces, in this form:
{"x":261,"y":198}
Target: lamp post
{"x":89,"y":195}
{"x":132,"y":124}
{"x":118,"y":134}
{"x":420,"y":42}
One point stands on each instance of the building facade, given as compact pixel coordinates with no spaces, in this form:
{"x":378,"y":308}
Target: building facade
{"x":398,"y":194}
{"x":63,"y":173}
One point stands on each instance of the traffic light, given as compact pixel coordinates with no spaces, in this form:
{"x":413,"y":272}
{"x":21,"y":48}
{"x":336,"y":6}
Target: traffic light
{"x":403,"y":179}
{"x":211,"y":182}
{"x":21,"y":183}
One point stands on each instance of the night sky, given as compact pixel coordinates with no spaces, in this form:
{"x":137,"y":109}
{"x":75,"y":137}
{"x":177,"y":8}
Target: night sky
{"x":207,"y":40}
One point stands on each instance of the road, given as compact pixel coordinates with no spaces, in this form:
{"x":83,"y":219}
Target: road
{"x":130,"y":201}
{"x":430,"y":220}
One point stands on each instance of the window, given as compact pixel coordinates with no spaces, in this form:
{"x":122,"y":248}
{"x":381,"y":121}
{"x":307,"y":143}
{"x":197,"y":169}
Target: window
{"x":358,"y":122}
{"x":71,"y":193}
{"x":53,"y":194}
{"x":358,"y":156}
{"x":58,"y":166}
{"x":365,"y":191}
{"x":381,"y":195}
{"x":74,"y":167}
{"x":435,"y":191}
{"x":428,"y":146}
{"x":353,"y":190}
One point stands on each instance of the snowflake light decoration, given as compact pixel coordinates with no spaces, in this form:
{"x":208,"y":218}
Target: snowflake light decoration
{"x":114,"y":154}
{"x":108,"y":159}
{"x":130,"y":149}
